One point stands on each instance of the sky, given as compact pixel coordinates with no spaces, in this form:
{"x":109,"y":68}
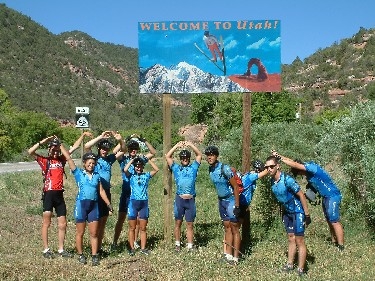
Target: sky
{"x":306,"y":26}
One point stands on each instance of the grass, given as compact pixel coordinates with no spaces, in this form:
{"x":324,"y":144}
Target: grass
{"x":21,"y":245}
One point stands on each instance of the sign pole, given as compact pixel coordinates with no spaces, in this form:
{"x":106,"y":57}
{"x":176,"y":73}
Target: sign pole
{"x":246,"y":155}
{"x":167,"y":176}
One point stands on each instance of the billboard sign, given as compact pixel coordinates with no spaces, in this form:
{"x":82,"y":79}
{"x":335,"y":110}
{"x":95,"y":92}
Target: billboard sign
{"x":209,"y":56}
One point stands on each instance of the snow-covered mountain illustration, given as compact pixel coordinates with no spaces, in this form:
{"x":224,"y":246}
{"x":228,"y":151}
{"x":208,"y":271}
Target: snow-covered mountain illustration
{"x":183,"y":78}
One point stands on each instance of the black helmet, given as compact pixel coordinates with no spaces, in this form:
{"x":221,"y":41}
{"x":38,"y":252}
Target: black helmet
{"x":212,"y":150}
{"x":89,"y":155}
{"x":206,"y":33}
{"x":105,"y":144}
{"x":185,"y":154}
{"x":258,"y":166}
{"x":132,"y":144}
{"x":138,"y":161}
{"x":54,"y":142}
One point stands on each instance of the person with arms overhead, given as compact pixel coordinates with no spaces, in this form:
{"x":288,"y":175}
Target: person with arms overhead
{"x":138,"y":205}
{"x":185,"y":176}
{"x":321,"y":183}
{"x":104,"y":168}
{"x":132,"y":147}
{"x":53,"y":189}
{"x":87,"y":204}
{"x":295,"y":213}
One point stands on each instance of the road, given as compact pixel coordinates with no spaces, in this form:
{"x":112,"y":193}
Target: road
{"x":18,"y":167}
{"x":22,"y":166}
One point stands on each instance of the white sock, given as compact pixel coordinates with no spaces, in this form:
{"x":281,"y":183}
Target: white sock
{"x":190,"y":245}
{"x":235,"y":259}
{"x":46,"y":250}
{"x":229,"y":257}
{"x":178,"y":243}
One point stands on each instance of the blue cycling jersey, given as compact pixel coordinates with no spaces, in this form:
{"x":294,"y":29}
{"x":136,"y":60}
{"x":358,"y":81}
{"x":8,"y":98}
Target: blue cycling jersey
{"x":87,"y":185}
{"x":139,"y":185}
{"x":185,"y":177}
{"x":321,"y":180}
{"x":285,"y":190}
{"x":103,"y":167}
{"x":222,"y":185}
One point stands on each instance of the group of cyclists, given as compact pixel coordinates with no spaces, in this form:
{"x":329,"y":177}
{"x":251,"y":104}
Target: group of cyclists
{"x":93,"y":201}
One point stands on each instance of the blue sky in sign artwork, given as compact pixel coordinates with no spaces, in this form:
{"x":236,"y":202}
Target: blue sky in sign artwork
{"x":169,"y":43}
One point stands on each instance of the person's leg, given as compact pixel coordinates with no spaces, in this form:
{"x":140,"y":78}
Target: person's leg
{"x":177,"y":231}
{"x":131,"y":232}
{"x":119,"y":225}
{"x":292,"y":248}
{"x":331,"y":210}
{"x":338,"y":232}
{"x":228,"y":237}
{"x":80,"y":231}
{"x":93,"y":230}
{"x":47,"y":215}
{"x":136,"y":233}
{"x":302,"y":252}
{"x":236,"y":239}
{"x":190,"y":233}
{"x":101,"y":229}
{"x":61,"y":221}
{"x":143,"y":232}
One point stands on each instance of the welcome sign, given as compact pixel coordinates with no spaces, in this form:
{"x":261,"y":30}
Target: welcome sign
{"x":209,"y":56}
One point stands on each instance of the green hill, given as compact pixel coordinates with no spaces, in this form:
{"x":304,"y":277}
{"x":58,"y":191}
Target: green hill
{"x":54,"y":74}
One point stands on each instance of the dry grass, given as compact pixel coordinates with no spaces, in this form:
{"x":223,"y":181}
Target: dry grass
{"x":21,"y":258}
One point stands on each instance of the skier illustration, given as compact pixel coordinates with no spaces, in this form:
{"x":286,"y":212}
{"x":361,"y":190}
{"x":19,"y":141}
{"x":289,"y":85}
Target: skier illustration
{"x":212,"y":44}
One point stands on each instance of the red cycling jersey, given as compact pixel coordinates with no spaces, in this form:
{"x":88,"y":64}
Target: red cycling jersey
{"x":54,"y":179}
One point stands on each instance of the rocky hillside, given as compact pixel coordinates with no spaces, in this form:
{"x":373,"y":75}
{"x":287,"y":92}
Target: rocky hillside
{"x":54,"y":74}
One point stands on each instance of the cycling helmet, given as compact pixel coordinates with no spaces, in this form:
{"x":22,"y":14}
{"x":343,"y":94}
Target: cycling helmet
{"x":104,"y":144}
{"x":138,"y":161}
{"x":185,"y":154}
{"x":132,"y":144}
{"x":212,"y":150}
{"x":206,"y":33}
{"x":258,"y":166}
{"x":54,"y":142}
{"x":89,"y":155}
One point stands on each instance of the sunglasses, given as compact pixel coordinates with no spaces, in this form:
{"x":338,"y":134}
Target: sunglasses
{"x":270,"y":166}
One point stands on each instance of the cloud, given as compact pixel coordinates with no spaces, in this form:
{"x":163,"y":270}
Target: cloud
{"x":264,"y":43}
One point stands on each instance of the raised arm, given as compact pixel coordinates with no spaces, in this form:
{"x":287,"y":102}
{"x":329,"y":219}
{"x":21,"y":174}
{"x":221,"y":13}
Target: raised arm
{"x":120,"y":148}
{"x":79,"y":141}
{"x":34,"y":148}
{"x":198,"y":153}
{"x":91,"y":143}
{"x":288,"y":161}
{"x":68,"y":158}
{"x":169,"y":155}
{"x":151,"y":149}
{"x":154,"y":167}
{"x":127,"y":166}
